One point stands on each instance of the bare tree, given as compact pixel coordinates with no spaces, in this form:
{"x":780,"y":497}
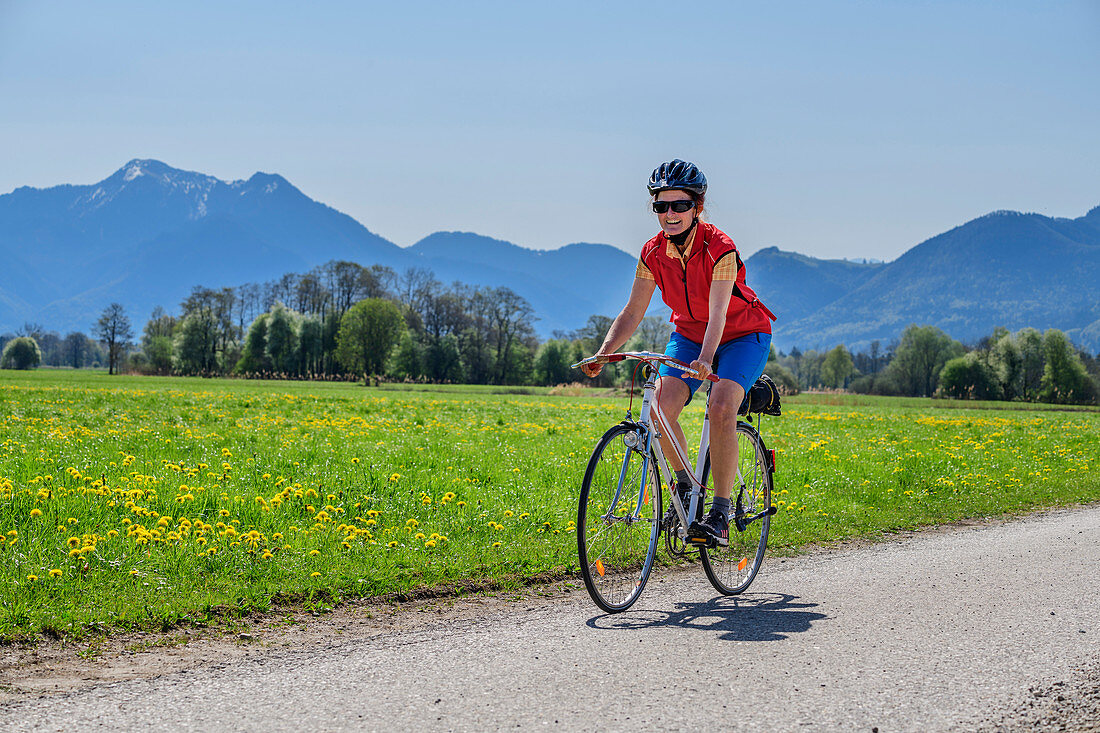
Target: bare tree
{"x":652,"y":333}
{"x":248,"y":302}
{"x":75,"y":349}
{"x":510,"y":320}
{"x":114,"y":330}
{"x":32,"y":330}
{"x":415,"y":287}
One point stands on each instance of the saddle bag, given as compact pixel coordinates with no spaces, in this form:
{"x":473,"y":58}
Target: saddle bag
{"x":762,"y":398}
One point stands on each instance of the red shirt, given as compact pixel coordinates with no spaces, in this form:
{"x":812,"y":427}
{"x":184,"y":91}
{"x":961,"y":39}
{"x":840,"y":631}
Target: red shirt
{"x":685,"y":285}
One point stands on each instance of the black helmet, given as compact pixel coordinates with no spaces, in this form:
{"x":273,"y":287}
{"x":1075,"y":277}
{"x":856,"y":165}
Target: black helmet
{"x":677,"y":175}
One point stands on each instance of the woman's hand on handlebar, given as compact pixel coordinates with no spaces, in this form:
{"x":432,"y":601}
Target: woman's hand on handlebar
{"x":592,"y":370}
{"x":703,"y":368}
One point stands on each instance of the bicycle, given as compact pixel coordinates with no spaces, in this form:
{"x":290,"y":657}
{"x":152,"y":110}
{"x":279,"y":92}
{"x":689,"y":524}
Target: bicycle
{"x":619,"y":517}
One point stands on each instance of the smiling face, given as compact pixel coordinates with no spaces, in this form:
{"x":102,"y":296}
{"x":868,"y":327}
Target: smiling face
{"x":673,"y":223}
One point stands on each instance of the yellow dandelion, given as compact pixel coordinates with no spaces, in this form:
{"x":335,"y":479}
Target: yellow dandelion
{"x":392,"y":544}
{"x":55,"y":573}
{"x":32,"y":578}
{"x":36,"y":512}
{"x":315,"y":575}
{"x":314,"y":553}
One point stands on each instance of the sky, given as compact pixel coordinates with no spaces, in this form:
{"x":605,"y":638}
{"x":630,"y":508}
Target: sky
{"x":849,"y":129}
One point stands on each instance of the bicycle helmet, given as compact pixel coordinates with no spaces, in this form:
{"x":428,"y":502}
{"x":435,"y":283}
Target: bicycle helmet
{"x":677,"y":175}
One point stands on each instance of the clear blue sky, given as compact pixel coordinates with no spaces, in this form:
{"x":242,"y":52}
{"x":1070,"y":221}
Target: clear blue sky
{"x":837,"y":129}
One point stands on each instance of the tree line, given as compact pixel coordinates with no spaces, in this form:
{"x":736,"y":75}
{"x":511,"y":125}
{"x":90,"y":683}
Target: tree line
{"x":925,"y":362}
{"x":342,"y":320}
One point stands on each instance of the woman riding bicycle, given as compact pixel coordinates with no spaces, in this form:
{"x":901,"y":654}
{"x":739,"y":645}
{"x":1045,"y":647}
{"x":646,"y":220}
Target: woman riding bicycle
{"x":722,"y":328}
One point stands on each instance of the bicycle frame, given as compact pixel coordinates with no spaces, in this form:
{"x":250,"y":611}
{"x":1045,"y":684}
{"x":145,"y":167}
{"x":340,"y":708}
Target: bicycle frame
{"x":653,"y":423}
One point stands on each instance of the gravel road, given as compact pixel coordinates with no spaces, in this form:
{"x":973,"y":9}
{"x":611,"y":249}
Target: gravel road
{"x":979,"y":628}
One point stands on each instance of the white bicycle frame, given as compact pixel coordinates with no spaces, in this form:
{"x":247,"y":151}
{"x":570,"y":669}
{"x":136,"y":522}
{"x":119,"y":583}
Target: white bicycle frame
{"x":654,"y":424}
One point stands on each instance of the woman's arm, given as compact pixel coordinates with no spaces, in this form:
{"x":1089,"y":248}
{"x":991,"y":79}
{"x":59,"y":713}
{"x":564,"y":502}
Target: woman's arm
{"x":720,"y":293}
{"x":626,"y":322}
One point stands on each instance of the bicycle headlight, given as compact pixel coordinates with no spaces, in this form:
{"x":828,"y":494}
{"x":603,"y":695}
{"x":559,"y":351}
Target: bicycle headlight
{"x":631,"y":440}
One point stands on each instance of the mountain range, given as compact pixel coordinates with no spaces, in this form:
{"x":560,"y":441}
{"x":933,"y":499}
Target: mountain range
{"x":148,"y":233}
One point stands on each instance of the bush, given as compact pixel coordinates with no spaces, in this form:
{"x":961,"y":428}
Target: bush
{"x":783,"y":378}
{"x":21,"y":353}
{"x":969,"y":378}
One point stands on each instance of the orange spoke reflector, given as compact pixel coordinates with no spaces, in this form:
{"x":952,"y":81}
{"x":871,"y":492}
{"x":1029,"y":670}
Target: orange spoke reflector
{"x":741,"y":565}
{"x":599,"y":567}
{"x":645,"y":498}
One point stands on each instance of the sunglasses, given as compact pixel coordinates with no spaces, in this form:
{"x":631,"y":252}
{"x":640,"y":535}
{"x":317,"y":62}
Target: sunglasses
{"x":660,"y":207}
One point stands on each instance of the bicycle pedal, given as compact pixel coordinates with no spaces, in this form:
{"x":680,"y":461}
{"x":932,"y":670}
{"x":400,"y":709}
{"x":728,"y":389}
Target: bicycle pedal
{"x":702,"y":541}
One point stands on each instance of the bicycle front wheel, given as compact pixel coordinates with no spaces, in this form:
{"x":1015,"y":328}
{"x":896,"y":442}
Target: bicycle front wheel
{"x":732,"y":569}
{"x":617,"y":538}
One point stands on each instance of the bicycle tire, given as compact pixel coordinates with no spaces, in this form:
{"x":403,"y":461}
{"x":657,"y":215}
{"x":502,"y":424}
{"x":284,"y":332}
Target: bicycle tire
{"x":616,"y":553}
{"x":732,"y":569}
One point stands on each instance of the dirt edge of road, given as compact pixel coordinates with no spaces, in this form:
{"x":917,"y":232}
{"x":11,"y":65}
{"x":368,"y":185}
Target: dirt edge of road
{"x":45,"y":667}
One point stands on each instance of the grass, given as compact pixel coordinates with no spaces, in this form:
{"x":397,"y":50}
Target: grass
{"x":143,"y":502}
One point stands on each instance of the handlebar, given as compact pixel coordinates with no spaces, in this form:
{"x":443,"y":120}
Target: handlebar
{"x":644,"y":356}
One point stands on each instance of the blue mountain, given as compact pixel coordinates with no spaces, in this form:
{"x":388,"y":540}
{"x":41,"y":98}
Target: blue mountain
{"x":148,"y":233}
{"x":1002,"y":269}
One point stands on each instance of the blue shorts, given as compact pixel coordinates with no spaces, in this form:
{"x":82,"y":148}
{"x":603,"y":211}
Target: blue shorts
{"x":741,"y":359}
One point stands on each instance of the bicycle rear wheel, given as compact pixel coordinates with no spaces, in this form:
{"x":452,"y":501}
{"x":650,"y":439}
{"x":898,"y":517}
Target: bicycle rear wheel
{"x":732,"y":569}
{"x":617,"y":540}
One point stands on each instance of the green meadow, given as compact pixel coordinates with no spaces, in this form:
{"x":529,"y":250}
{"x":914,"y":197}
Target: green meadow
{"x":144,"y":502}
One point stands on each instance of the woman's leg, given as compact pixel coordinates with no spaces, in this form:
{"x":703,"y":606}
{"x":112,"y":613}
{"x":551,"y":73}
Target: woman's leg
{"x":725,"y":399}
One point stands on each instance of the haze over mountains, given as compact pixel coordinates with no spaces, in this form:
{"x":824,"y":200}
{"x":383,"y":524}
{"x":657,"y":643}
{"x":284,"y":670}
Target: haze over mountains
{"x":148,"y":233}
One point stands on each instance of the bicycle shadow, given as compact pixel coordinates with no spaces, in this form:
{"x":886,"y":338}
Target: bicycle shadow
{"x":750,"y":617}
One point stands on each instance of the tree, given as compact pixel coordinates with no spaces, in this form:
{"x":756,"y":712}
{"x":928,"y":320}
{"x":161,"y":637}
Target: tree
{"x":552,"y":363}
{"x":415,"y":287}
{"x":919,"y":358}
{"x":156,"y":341}
{"x":1030,"y":344}
{"x":408,"y":361}
{"x":510,"y":322}
{"x":1064,"y":379}
{"x":443,"y":360}
{"x":1007,"y":363}
{"x":652,"y":333}
{"x":477,"y":358}
{"x":113,"y":329}
{"x":195,"y":345}
{"x":367,"y":334}
{"x":310,"y":344}
{"x":837,"y":367}
{"x":969,"y":377}
{"x":76,"y":349}
{"x":212,"y":326}
{"x":254,"y":357}
{"x":590,"y":337}
{"x":282,"y":339}
{"x":20,"y":353}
